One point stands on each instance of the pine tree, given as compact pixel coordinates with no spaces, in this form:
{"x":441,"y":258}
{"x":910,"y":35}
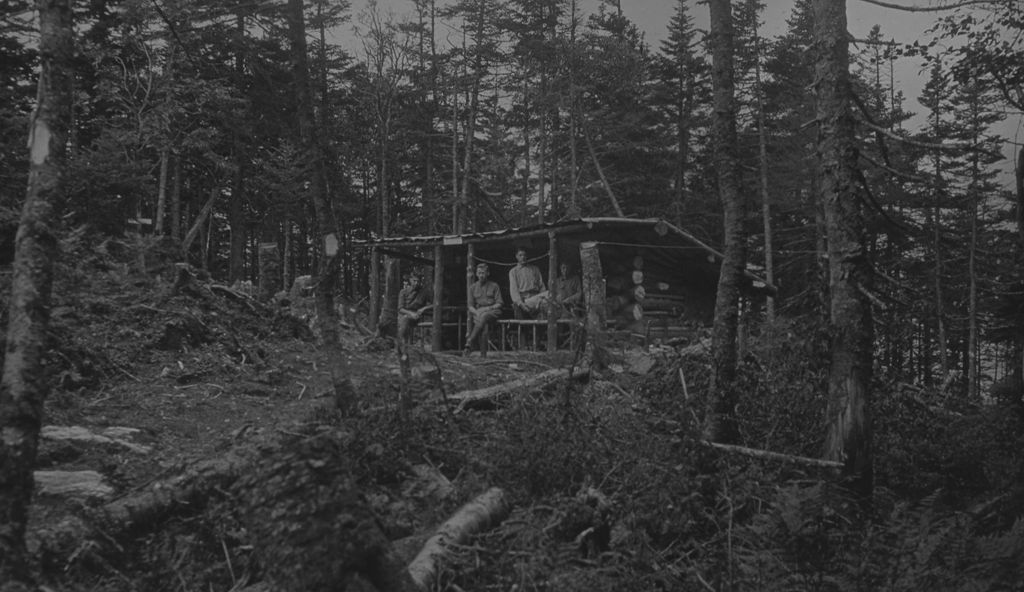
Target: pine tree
{"x":682,"y":92}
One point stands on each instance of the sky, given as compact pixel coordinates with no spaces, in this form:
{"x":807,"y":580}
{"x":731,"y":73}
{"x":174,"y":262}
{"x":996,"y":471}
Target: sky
{"x":653,"y":16}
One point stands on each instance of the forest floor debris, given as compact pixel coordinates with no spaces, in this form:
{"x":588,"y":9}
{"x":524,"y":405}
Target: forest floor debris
{"x":197,"y":407}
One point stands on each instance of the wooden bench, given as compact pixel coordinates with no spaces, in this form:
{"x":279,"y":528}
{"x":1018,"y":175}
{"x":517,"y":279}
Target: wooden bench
{"x":535,"y":327}
{"x":453,"y":318}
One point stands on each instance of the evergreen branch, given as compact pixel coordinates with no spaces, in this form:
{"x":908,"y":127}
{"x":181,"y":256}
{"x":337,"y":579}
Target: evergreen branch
{"x":174,"y":33}
{"x":879,"y":139}
{"x":877,"y":206}
{"x":902,"y":174}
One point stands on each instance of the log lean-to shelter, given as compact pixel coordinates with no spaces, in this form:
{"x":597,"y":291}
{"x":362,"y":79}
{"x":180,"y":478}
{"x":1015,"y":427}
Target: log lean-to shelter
{"x":680,"y":271}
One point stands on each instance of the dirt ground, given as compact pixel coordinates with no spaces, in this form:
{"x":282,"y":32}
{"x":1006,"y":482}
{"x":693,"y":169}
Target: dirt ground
{"x":175,"y":370}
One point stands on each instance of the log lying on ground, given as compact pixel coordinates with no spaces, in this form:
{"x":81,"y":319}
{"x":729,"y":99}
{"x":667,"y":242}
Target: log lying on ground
{"x":662,"y":424}
{"x":81,"y":484}
{"x":777,"y":456}
{"x":484,"y":512}
{"x":478,"y":397}
{"x":192,"y":488}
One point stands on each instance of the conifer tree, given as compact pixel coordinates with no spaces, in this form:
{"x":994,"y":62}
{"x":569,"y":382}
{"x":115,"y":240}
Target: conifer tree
{"x":683,"y":92}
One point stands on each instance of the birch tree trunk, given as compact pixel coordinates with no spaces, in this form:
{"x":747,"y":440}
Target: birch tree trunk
{"x":23,"y":386}
{"x":849,"y":438}
{"x":721,"y":426}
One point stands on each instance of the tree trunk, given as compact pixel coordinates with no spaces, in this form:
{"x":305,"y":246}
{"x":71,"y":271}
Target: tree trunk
{"x":527,"y":165}
{"x":161,"y":194}
{"x":311,"y":142}
{"x":23,"y":386}
{"x":683,"y":119}
{"x":573,"y":209}
{"x":553,"y":290}
{"x":375,"y":300}
{"x":940,"y":312}
{"x":973,"y":356}
{"x":465,"y":223}
{"x":389,"y":309}
{"x":593,"y":294}
{"x":1019,"y":350}
{"x":542,"y":165}
{"x":766,"y":206}
{"x":721,"y":426}
{"x":600,"y":172}
{"x":236,"y":223}
{"x":270,"y":271}
{"x":437,"y":317}
{"x":456,"y":210}
{"x":176,"y":201}
{"x":850,"y":371}
{"x":193,"y":231}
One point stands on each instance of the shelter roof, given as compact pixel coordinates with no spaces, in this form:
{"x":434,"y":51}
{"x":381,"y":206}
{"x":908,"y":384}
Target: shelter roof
{"x":648,"y":233}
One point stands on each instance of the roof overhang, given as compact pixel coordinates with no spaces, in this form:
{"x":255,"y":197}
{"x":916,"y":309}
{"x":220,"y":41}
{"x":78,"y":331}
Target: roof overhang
{"x":580,"y":227}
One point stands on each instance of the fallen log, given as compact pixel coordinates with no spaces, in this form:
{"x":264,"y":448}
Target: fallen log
{"x":484,"y":512}
{"x":776,"y":456}
{"x":189,"y":489}
{"x":83,"y":484}
{"x":476,"y":397}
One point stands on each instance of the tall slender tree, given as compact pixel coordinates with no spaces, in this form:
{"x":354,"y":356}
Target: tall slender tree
{"x":24,"y":384}
{"x":721,"y":423}
{"x":850,"y":322}
{"x":313,"y":150}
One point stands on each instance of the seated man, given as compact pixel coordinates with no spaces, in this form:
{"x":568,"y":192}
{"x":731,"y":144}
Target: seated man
{"x":484,"y":306}
{"x":526,"y":287}
{"x":413,"y":301}
{"x":569,"y":295}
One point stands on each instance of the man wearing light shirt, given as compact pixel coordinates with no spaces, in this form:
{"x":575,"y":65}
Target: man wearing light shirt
{"x":526,"y":287}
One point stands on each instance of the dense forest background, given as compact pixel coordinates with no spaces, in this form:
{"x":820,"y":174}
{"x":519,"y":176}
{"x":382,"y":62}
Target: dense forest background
{"x":212,"y":132}
{"x":479,"y":114}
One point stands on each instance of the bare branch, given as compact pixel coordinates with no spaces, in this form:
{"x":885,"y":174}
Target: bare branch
{"x":928,"y":145}
{"x":960,"y":4}
{"x":875,"y":300}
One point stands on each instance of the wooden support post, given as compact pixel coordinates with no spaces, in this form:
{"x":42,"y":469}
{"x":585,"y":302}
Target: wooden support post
{"x":593,"y":292}
{"x":388,"y":321}
{"x":470,"y":278}
{"x":270,"y":271}
{"x":374,"y":288}
{"x":438,"y":314}
{"x":552,"y":291}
